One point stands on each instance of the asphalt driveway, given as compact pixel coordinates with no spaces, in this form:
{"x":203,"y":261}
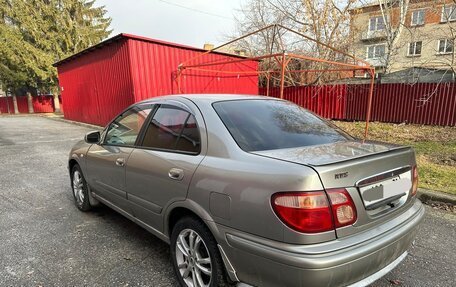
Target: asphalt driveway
{"x":46,"y":241}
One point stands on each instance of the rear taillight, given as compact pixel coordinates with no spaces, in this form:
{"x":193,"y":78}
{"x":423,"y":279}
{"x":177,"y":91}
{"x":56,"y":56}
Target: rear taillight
{"x":414,"y":180}
{"x":343,"y":208}
{"x":310,"y":212}
{"x":306,"y":212}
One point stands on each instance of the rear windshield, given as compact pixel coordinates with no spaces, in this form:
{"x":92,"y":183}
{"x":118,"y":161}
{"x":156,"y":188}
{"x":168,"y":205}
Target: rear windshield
{"x":271,"y":124}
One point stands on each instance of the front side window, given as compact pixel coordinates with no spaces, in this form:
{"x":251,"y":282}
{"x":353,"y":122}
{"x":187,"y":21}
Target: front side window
{"x":376,"y":51}
{"x":125,"y":128}
{"x":258,"y":125}
{"x":446,"y":46}
{"x":418,"y":17}
{"x":414,"y":48}
{"x":448,"y":13}
{"x":376,"y":23}
{"x":174,"y":129}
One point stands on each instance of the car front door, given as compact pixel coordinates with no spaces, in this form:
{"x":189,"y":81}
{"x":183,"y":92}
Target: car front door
{"x":160,"y":169}
{"x":106,"y":161}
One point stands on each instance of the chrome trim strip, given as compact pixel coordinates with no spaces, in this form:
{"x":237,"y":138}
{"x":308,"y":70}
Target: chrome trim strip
{"x":383,"y":175}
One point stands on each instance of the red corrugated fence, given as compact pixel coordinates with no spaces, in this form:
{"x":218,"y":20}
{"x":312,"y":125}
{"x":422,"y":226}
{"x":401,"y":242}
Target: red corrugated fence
{"x":424,"y":103}
{"x":43,"y":104}
{"x":22,"y":104}
{"x":6,"y":105}
{"x":327,"y":101}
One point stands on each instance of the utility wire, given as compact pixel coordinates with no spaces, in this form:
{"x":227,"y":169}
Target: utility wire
{"x":196,"y":10}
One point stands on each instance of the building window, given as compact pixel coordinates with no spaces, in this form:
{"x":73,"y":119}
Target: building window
{"x":448,"y":13}
{"x":415,"y":48}
{"x":376,"y":51}
{"x":376,"y":24}
{"x":446,"y":46}
{"x":418,"y":17}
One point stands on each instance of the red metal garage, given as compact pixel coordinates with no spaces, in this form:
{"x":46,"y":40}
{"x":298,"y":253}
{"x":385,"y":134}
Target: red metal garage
{"x":100,"y":81}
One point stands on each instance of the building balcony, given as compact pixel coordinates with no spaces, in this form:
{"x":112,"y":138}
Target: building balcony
{"x":373,"y":35}
{"x":377,"y":62}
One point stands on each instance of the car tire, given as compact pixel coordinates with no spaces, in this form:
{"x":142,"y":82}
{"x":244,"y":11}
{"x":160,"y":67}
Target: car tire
{"x":80,"y":189}
{"x":192,"y":261}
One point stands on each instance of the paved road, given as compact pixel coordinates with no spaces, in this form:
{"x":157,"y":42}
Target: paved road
{"x":46,"y":241}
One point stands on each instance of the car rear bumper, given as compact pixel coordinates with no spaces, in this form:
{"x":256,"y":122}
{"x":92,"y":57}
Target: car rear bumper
{"x":359,"y":259}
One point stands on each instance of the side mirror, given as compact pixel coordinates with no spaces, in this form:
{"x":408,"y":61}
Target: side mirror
{"x":92,"y":137}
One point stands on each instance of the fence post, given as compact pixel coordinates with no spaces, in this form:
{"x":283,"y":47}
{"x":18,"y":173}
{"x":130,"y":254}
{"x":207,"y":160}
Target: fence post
{"x":16,"y":110}
{"x":56,"y":103}
{"x":30,"y":103}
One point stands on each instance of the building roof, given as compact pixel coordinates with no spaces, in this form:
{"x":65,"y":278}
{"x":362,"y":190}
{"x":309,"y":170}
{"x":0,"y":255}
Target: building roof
{"x":420,"y":75}
{"x":122,"y":36}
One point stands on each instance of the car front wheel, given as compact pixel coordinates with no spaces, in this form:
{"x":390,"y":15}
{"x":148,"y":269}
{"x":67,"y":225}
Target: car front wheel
{"x":80,"y":189}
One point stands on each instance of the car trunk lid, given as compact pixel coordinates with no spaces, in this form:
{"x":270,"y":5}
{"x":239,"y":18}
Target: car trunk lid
{"x":377,"y":176}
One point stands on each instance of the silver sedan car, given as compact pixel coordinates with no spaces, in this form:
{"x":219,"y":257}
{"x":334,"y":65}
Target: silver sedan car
{"x":253,"y":190}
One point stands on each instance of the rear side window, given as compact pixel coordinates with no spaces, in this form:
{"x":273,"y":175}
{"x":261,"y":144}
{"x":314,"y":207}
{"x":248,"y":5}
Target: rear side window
{"x":173,"y":128}
{"x":269,"y":124}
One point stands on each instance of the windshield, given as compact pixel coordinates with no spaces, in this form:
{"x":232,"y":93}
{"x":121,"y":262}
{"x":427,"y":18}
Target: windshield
{"x":271,"y":124}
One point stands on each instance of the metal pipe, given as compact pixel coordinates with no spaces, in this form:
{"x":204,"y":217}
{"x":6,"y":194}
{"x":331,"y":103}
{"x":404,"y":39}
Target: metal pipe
{"x":229,"y":61}
{"x":228,"y":72}
{"x":326,"y":61}
{"x":323,"y":44}
{"x":327,"y":70}
{"x":282,"y":75}
{"x":369,"y":103}
{"x":228,"y":43}
{"x":179,"y":72}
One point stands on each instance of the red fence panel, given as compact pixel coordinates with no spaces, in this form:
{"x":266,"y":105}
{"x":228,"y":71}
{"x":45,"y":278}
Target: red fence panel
{"x":423,"y":103}
{"x":6,"y":105}
{"x":43,"y":104}
{"x":22,"y":104}
{"x":327,"y":101}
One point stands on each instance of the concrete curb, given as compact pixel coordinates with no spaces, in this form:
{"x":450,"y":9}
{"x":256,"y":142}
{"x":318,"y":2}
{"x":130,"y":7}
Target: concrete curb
{"x":61,"y":119}
{"x":431,"y":195}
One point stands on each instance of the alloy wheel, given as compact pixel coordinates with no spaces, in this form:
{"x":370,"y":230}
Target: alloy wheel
{"x":193,"y":259}
{"x":78,"y":187}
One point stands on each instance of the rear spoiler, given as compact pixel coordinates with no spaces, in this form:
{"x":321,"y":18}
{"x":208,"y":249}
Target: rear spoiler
{"x":393,"y":148}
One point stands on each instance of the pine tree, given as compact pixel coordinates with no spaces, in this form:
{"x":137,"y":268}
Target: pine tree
{"x":36,"y":33}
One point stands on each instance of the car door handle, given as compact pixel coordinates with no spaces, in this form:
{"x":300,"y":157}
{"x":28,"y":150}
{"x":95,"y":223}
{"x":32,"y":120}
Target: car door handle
{"x":176,"y":174}
{"x":120,"y":161}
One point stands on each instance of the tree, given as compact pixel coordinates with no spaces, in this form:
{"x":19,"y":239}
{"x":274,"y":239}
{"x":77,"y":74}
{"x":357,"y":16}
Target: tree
{"x":36,"y":33}
{"x":327,"y":21}
{"x":83,"y":25}
{"x":394,"y":25}
{"x":448,"y":32}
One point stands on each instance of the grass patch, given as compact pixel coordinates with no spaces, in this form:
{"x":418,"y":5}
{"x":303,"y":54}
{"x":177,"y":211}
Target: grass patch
{"x":435,"y":149}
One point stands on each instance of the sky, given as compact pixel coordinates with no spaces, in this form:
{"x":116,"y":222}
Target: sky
{"x":189,"y":22}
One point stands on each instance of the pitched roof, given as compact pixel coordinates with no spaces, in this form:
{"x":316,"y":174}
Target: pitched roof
{"x":122,"y":36}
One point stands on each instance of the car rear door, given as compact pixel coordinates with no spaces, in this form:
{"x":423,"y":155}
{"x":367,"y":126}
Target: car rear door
{"x":106,"y":161}
{"x":159,"y":171}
